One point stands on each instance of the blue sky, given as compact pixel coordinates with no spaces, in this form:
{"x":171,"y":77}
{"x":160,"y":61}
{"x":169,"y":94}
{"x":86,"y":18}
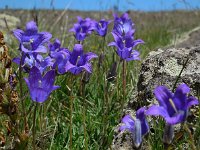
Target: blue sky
{"x":123,"y":5}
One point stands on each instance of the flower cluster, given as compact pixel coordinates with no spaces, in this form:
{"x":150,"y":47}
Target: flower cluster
{"x":173,"y":107}
{"x":124,"y":41}
{"x":42,"y":68}
{"x":82,"y":28}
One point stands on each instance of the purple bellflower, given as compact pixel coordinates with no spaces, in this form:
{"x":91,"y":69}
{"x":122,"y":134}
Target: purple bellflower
{"x":124,"y":41}
{"x":125,"y":47}
{"x":138,"y":127}
{"x":32,"y":41}
{"x":61,"y":57}
{"x":173,"y":107}
{"x":78,"y":61}
{"x":101,"y":27}
{"x":59,"y":54}
{"x":29,"y":60}
{"x":82,"y":28}
{"x":123,"y":25}
{"x":40,"y":87}
{"x":55,"y":46}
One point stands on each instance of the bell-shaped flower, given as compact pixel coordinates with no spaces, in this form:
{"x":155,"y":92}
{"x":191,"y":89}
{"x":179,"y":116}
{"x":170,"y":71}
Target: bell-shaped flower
{"x":101,"y":27}
{"x":173,"y":107}
{"x":125,"y":47}
{"x":32,"y":41}
{"x":123,"y":25}
{"x":78,"y":61}
{"x":30,"y":60}
{"x":138,"y":127}
{"x":82,"y":28}
{"x":40,"y":87}
{"x":61,"y":57}
{"x":54,"y":46}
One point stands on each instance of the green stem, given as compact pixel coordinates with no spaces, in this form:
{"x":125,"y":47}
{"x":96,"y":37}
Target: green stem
{"x":124,"y":82}
{"x":103,"y":45}
{"x":21,"y":93}
{"x":84,"y":116}
{"x":34,"y":129}
{"x":71,"y":121}
{"x":184,"y":65}
{"x":105,"y":115}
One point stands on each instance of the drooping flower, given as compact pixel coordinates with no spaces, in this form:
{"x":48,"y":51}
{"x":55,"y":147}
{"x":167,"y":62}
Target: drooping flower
{"x":101,"y":27}
{"x":138,"y":127}
{"x":125,"y":47}
{"x":40,"y":86}
{"x":32,"y":41}
{"x":173,"y":107}
{"x":82,"y":28}
{"x":78,"y":61}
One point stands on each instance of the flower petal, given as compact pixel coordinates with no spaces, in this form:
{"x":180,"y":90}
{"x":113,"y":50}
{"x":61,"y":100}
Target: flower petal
{"x":157,"y":111}
{"x":40,"y":49}
{"x":140,"y":114}
{"x":31,"y":28}
{"x":138,"y":41}
{"x":179,"y":117}
{"x":87,"y":67}
{"x":180,"y":97}
{"x":39,"y":95}
{"x":18,"y":34}
{"x":88,"y":56}
{"x":124,"y":53}
{"x":192,"y":101}
{"x":48,"y":80}
{"x":69,"y":66}
{"x":135,"y":55}
{"x":76,"y":70}
{"x":16,"y":60}
{"x":163,"y":95}
{"x":128,"y":123}
{"x":34,"y":77}
{"x":77,"y":51}
{"x":137,"y":133}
